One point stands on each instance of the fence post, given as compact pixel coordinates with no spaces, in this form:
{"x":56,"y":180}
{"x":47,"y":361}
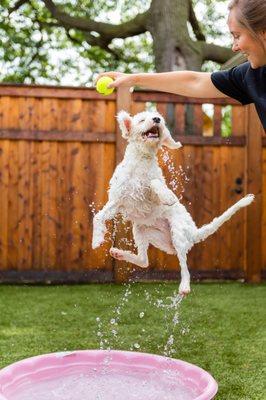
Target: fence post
{"x":123,"y":102}
{"x":254,"y":185}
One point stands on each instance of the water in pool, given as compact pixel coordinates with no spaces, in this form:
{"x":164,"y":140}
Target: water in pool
{"x":108,"y":385}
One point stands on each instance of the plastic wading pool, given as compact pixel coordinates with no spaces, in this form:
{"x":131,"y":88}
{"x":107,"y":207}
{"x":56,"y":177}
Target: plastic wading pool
{"x":105,"y":375}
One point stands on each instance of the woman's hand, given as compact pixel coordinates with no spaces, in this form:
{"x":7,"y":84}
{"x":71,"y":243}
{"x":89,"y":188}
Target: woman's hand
{"x":120,"y":79}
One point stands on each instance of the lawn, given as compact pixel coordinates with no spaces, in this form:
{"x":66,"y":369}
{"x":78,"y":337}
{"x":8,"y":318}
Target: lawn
{"x":221,"y":326}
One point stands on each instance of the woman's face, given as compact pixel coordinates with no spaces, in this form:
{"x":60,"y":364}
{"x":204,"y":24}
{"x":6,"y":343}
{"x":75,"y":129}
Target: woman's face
{"x":254,"y":50}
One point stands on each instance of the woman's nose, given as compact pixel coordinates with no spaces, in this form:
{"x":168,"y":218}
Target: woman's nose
{"x":235,"y":47}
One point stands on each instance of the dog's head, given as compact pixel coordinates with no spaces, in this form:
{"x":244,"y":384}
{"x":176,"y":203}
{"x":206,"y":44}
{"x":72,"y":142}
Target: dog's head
{"x":147,"y":128}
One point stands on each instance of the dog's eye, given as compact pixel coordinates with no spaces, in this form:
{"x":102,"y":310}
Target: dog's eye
{"x":142,"y":120}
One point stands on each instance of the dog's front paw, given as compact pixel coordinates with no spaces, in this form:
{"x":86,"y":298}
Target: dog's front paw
{"x":96,"y":244}
{"x":166,"y":196}
{"x":184,"y":288}
{"x":116,"y":253}
{"x":97,"y":241}
{"x":170,"y":199}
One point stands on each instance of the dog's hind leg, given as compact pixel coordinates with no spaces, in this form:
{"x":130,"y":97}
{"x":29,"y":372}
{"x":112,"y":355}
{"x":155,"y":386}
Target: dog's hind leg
{"x":182,"y":245}
{"x":108,"y":212}
{"x":184,"y":287}
{"x":142,"y":243}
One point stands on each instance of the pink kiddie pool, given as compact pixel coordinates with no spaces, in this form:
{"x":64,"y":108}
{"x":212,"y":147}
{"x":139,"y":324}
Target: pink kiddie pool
{"x":105,"y":375}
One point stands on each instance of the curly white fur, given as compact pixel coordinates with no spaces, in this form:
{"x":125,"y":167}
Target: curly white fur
{"x":139,"y":192}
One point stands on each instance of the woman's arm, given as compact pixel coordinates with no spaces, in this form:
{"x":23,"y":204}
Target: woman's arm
{"x":185,"y":83}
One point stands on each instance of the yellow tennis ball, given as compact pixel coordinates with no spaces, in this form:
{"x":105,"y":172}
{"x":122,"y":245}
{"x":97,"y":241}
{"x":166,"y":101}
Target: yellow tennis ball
{"x":102,"y":85}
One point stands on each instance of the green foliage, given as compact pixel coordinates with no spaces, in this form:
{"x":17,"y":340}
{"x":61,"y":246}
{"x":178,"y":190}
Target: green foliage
{"x":212,"y":18}
{"x":35,"y":49}
{"x":27,"y":43}
{"x":226,"y":128}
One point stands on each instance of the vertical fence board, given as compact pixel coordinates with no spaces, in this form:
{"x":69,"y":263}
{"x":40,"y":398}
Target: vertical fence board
{"x":237,"y":227}
{"x":76,"y":188}
{"x":238,"y":120}
{"x":198,"y":120}
{"x":46,"y":185}
{"x":179,"y":119}
{"x":209,"y":211}
{"x":217,"y":120}
{"x":225,"y":202}
{"x":215,"y":204}
{"x":4,"y":186}
{"x":24,"y":198}
{"x":188,"y":192}
{"x":264,"y":209}
{"x":35,"y":192}
{"x":13,"y":170}
{"x":254,"y":185}
{"x":62,"y":235}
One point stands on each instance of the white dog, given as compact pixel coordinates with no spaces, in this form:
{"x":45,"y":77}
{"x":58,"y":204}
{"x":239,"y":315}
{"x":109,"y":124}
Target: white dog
{"x":139,"y":192}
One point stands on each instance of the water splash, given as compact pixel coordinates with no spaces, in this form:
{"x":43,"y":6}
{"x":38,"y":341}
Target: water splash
{"x":171,"y":306}
{"x":175,"y":302}
{"x":177,"y":174}
{"x":108,"y":335}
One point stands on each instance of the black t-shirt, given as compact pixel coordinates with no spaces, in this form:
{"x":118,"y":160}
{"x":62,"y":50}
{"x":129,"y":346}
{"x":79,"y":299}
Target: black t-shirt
{"x":244,"y":84}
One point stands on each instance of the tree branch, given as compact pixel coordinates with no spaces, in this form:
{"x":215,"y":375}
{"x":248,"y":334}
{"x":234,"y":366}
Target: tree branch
{"x":100,"y":41}
{"x":195,"y":23}
{"x":216,"y":53}
{"x":235,"y":60}
{"x":133,"y":27}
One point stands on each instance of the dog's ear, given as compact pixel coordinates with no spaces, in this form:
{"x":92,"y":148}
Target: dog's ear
{"x":125,"y":123}
{"x":169,"y":142}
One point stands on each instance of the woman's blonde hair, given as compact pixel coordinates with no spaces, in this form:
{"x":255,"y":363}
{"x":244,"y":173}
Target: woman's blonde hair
{"x":251,"y":14}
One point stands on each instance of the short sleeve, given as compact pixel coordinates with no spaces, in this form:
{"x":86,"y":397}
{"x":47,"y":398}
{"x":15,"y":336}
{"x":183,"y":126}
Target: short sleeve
{"x":232,"y":83}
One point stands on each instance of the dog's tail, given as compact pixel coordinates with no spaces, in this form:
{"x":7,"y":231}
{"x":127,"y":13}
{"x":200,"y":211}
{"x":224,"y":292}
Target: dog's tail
{"x":209,"y":229}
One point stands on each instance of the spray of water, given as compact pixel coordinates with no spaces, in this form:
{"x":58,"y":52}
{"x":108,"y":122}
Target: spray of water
{"x":108,"y":335}
{"x":177,"y":176}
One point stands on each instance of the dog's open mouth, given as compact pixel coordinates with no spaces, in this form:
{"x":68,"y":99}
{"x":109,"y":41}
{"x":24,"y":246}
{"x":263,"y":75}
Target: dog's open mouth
{"x":152,"y":133}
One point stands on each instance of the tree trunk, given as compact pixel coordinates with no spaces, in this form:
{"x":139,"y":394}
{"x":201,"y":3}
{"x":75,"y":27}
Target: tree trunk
{"x":173,"y":48}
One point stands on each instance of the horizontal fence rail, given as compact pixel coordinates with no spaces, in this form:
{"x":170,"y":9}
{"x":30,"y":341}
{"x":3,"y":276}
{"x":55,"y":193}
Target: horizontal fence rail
{"x":58,"y":136}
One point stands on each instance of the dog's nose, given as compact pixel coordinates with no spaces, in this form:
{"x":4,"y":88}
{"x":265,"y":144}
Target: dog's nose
{"x":157,"y":120}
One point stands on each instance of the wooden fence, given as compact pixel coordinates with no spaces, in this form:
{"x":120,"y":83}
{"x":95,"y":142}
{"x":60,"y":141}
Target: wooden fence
{"x":58,"y":150}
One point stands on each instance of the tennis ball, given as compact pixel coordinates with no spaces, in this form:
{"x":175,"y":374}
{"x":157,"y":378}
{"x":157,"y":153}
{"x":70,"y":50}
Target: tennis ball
{"x":102,"y":83}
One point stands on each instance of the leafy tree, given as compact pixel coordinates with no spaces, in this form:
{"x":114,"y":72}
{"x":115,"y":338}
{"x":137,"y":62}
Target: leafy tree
{"x":43,"y":40}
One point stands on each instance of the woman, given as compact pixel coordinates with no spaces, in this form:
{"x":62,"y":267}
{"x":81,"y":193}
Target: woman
{"x":245,"y":83}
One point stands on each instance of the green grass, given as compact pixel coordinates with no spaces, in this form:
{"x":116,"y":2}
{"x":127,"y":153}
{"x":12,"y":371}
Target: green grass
{"x":221,"y":326}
